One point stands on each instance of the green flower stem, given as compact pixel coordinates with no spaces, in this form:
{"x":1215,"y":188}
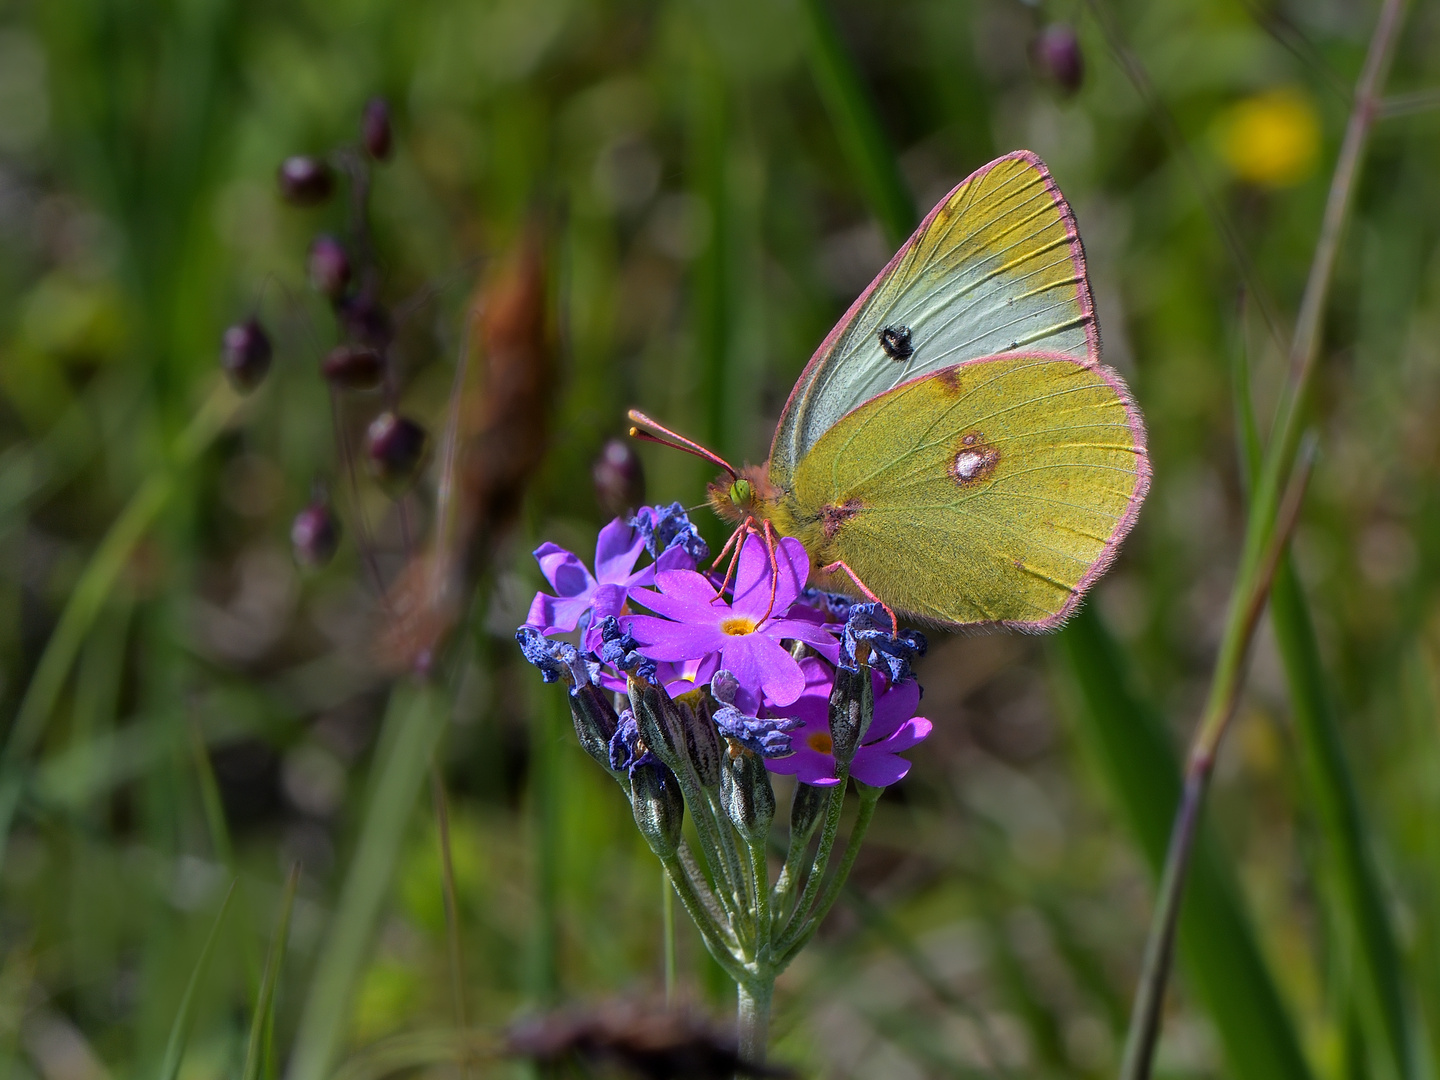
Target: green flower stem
{"x":667,"y":916}
{"x":695,"y":878}
{"x":822,"y":855}
{"x":720,"y":944}
{"x":734,"y":867}
{"x":752,"y":1016}
{"x":790,"y":948}
{"x":764,"y":931}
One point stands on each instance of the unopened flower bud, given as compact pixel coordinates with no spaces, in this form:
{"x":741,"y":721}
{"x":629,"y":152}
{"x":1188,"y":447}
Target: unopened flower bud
{"x":658,"y":806}
{"x":245,"y":354}
{"x":595,"y":724}
{"x":746,"y":794}
{"x":619,"y":479}
{"x":852,"y":706}
{"x":329,"y":267}
{"x":660,"y":723}
{"x":702,"y":741}
{"x":315,"y":534}
{"x":353,"y":367}
{"x":395,"y":444}
{"x":1057,"y":53}
{"x":305,"y":181}
{"x":375,"y":128}
{"x":805,"y":808}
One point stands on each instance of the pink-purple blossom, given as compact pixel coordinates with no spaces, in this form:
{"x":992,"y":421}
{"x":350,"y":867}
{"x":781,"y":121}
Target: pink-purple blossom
{"x":877,"y":761}
{"x":692,"y":621}
{"x":578,"y":592}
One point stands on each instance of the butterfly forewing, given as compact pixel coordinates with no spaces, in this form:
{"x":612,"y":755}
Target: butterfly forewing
{"x":997,"y":266}
{"x":991,"y":492}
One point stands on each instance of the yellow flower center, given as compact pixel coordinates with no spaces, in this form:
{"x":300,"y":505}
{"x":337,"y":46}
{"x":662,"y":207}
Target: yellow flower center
{"x":821,"y":743}
{"x":739,"y":626}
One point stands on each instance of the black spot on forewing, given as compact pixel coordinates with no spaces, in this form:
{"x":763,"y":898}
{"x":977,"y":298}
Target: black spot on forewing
{"x":895,"y":340}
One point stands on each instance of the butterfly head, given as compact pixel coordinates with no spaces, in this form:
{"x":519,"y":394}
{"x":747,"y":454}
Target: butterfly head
{"x":734,"y":497}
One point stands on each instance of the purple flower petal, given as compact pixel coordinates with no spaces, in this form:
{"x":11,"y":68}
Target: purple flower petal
{"x":661,"y":639}
{"x":892,"y":707}
{"x":806,"y":765}
{"x":685,"y":596}
{"x":878,"y":769}
{"x":777,"y":673}
{"x":564,"y":570}
{"x":616,"y":550}
{"x":754,"y":577}
{"x":556,"y":615}
{"x":913,"y":731}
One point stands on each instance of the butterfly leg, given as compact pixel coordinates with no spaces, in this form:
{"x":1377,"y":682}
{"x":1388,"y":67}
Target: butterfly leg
{"x":840,"y":565}
{"x":742,"y":530}
{"x":770,"y":545}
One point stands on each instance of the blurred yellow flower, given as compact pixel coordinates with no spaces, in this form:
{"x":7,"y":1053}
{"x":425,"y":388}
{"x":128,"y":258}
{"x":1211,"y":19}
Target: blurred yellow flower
{"x":1271,"y":139}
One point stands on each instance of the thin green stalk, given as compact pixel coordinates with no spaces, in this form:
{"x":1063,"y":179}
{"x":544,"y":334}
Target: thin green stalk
{"x":667,"y":921}
{"x":545,"y":795}
{"x":716,"y":941}
{"x":717,"y":920}
{"x":1227,"y":680}
{"x":791,"y":946}
{"x":1331,"y":788}
{"x":1265,"y":538}
{"x":813,"y":880}
{"x":760,"y":892}
{"x":263,"y":1022}
{"x":447,"y":886}
{"x":1130,"y":745}
{"x":185,"y":1014}
{"x":412,"y":725}
{"x":219,"y":831}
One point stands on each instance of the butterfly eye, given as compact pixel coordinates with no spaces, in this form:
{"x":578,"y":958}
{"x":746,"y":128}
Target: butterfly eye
{"x":895,"y":340}
{"x":742,"y":492}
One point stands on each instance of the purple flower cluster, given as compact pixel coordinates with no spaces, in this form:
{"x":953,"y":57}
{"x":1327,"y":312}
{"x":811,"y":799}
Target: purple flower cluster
{"x":672,"y":624}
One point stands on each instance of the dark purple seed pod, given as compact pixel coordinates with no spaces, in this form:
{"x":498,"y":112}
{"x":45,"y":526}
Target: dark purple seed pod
{"x":365,"y":320}
{"x":375,"y":128}
{"x":329,"y":266}
{"x":353,"y":367}
{"x":395,"y":445}
{"x":619,"y":478}
{"x":1057,"y":53}
{"x":245,"y":354}
{"x":315,"y":534}
{"x":305,"y":181}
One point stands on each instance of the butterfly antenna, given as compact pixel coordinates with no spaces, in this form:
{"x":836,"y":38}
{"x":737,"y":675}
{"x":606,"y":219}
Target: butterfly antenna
{"x":649,"y":430}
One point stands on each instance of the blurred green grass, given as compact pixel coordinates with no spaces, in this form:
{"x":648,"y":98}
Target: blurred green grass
{"x":719,"y":213}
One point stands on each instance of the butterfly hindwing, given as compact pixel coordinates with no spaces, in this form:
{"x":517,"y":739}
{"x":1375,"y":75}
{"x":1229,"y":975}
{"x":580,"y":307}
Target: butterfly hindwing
{"x":996,"y":267}
{"x":990,"y":492}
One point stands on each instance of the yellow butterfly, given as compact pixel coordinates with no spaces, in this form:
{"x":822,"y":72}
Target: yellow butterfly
{"x":955,"y":449}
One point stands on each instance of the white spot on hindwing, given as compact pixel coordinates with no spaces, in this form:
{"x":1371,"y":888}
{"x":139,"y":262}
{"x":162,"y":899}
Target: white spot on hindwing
{"x":968,"y":464}
{"x":974,"y":459}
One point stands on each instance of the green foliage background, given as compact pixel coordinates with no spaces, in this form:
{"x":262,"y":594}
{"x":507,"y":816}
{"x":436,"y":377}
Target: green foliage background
{"x":730,"y":175}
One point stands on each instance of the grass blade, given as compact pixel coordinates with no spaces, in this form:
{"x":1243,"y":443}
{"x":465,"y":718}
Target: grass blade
{"x":1331,"y":794}
{"x":180,"y":1029}
{"x":857,"y":125}
{"x":263,"y":1022}
{"x":1217,"y":944}
{"x":412,"y":726}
